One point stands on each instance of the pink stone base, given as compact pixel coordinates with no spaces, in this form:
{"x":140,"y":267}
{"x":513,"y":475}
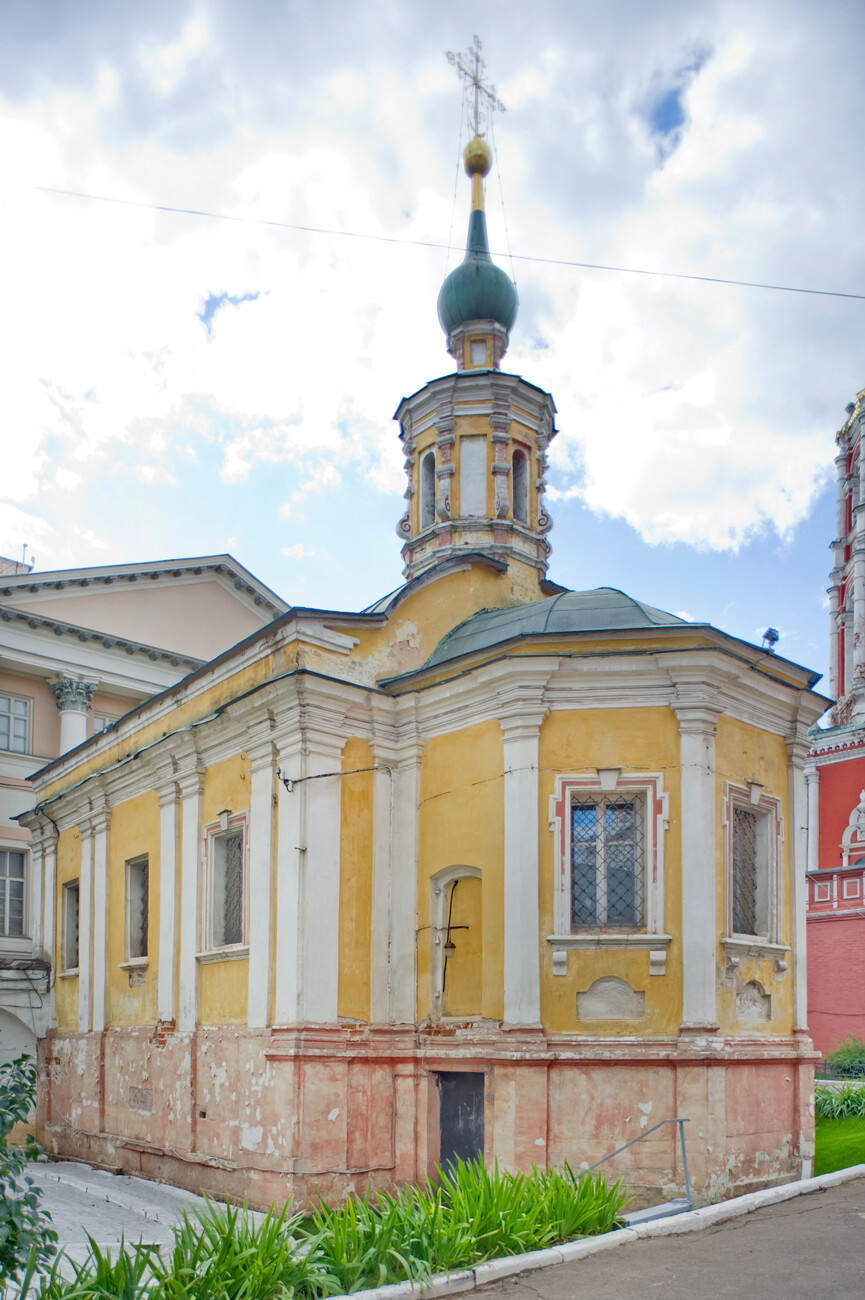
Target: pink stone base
{"x":273,"y":1114}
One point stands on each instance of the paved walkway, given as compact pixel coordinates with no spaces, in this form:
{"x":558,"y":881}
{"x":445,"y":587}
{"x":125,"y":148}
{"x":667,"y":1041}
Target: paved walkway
{"x":811,"y":1246}
{"x":109,"y":1207}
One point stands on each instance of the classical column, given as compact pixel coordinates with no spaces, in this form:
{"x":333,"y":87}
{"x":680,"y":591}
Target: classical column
{"x":812,"y":782}
{"x":697,"y":726}
{"x":260,"y":891}
{"x":520,"y":717}
{"x":169,"y":814}
{"x":190,"y":784}
{"x":73,"y":696}
{"x":85,"y":910}
{"x":100,"y":917}
{"x":797,"y":749}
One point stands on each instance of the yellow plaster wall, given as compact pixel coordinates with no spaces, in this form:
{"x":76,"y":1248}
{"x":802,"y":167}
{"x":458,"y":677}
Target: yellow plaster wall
{"x":461,"y":823}
{"x":68,"y":868}
{"x":223,"y":985}
{"x":636,"y":740}
{"x":134,"y":831}
{"x":355,"y":881}
{"x":744,"y":753}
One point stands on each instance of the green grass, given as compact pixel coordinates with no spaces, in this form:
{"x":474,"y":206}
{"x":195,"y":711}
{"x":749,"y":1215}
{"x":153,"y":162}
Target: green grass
{"x":840,"y":1142}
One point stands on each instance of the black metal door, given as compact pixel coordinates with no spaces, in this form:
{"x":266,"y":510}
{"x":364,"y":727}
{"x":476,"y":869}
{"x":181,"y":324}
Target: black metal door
{"x":461,"y":1116}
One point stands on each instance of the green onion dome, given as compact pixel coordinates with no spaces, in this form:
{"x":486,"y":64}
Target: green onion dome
{"x":477,"y":289}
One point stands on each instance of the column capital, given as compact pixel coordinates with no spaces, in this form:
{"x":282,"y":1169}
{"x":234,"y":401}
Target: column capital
{"x":73,"y":693}
{"x":190,"y":782}
{"x":696,"y":718}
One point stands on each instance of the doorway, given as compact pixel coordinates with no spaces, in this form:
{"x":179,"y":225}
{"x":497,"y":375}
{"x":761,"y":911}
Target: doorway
{"x":461,"y":1116}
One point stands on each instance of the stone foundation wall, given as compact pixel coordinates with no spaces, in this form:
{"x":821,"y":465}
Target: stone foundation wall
{"x":272,"y":1114}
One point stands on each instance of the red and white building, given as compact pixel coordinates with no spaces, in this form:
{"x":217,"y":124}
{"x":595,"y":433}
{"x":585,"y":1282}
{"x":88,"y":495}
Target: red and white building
{"x":835,"y":773}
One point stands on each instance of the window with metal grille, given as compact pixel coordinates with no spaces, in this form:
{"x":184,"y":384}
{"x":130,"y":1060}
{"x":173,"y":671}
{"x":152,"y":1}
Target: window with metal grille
{"x":607,"y":862}
{"x":137,"y":906}
{"x":750,"y":882}
{"x":228,"y":888}
{"x":14,"y":724}
{"x":11,"y":894}
{"x":69,"y":932}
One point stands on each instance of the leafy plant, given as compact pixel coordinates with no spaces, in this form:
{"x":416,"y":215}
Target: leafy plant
{"x":26,"y":1233}
{"x":844,"y":1102}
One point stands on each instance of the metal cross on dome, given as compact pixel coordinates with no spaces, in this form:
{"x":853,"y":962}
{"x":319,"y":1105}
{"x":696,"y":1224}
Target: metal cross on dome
{"x":471,"y":69}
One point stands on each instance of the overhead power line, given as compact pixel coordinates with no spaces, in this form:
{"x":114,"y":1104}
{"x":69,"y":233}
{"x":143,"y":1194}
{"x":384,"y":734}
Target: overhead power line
{"x":428,"y":243}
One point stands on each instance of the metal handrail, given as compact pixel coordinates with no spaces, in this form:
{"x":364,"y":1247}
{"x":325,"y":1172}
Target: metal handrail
{"x":681,"y":1123}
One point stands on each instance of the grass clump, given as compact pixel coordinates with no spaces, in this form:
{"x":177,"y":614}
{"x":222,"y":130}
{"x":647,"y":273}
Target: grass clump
{"x":470,"y":1215}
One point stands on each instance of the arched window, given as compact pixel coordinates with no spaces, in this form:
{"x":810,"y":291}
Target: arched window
{"x":456,"y":955}
{"x":428,"y":490}
{"x":520,"y":474}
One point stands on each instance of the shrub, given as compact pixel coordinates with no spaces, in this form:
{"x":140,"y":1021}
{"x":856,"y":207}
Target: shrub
{"x":26,"y":1234}
{"x":849,"y":1055}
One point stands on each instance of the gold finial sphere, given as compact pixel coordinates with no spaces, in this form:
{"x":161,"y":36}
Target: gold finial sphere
{"x":477,"y":157}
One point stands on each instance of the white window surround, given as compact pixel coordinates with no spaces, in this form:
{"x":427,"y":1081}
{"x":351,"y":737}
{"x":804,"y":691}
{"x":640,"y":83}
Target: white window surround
{"x":13,"y":943}
{"x":15,"y":710}
{"x":69,"y":934}
{"x":211,"y":950}
{"x":440,"y":884}
{"x":137,"y":910}
{"x":650,"y":785}
{"x":768,"y":809}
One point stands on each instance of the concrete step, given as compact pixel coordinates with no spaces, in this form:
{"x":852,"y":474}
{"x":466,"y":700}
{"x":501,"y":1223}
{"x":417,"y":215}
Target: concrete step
{"x":663,"y":1211}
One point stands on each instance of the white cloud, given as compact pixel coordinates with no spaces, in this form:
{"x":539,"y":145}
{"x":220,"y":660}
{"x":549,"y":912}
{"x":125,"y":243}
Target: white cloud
{"x":696,"y":413}
{"x":298,"y":552}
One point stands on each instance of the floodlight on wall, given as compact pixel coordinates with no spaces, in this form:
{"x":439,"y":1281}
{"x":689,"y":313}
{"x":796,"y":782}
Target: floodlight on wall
{"x":771,"y":637}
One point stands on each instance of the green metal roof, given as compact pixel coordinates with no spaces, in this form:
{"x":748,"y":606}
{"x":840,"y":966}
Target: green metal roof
{"x":477,"y":289}
{"x":602,"y":610}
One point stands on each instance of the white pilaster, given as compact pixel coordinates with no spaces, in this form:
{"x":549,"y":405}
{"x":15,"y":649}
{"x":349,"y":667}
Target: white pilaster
{"x":836,"y":687}
{"x":166,"y":991}
{"x":697,"y":726}
{"x":382,"y":888}
{"x":812,"y":781}
{"x":321,"y":797}
{"x":100,"y":918}
{"x":190,"y":896}
{"x":49,"y":913}
{"x":35,"y":885}
{"x":520,"y":719}
{"x":797,"y":748}
{"x":403,"y":894}
{"x":260,"y":891}
{"x":289,"y":881}
{"x":85,"y":928}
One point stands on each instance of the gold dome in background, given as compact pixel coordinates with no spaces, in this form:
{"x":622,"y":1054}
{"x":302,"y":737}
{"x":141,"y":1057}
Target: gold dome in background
{"x":477,"y":157}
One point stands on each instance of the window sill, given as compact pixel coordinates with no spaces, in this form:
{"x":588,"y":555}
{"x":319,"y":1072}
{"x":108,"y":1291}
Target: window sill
{"x":231,"y":952}
{"x":743,"y":945}
{"x":624,"y":940}
{"x":71,"y":974}
{"x":609,"y":939}
{"x":134,"y":963}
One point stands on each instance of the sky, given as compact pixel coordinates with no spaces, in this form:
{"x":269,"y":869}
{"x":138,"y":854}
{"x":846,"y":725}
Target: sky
{"x":180,"y":384}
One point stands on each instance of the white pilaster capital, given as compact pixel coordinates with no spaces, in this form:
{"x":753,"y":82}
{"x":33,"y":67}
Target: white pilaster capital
{"x":798,"y":747}
{"x":696,"y":718}
{"x":261,"y":752}
{"x":812,"y":774}
{"x":190,"y":782}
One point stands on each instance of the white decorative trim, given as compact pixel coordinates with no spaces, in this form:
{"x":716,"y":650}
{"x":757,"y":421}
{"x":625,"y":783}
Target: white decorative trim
{"x":231,"y":952}
{"x":769,"y":807}
{"x":438,"y":886}
{"x":212,"y":832}
{"x":651,"y":786}
{"x":134,"y":963}
{"x":71,"y":974}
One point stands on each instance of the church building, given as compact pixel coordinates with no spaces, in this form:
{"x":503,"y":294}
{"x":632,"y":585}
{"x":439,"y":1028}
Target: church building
{"x":491,"y":867}
{"x":835,"y":772}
